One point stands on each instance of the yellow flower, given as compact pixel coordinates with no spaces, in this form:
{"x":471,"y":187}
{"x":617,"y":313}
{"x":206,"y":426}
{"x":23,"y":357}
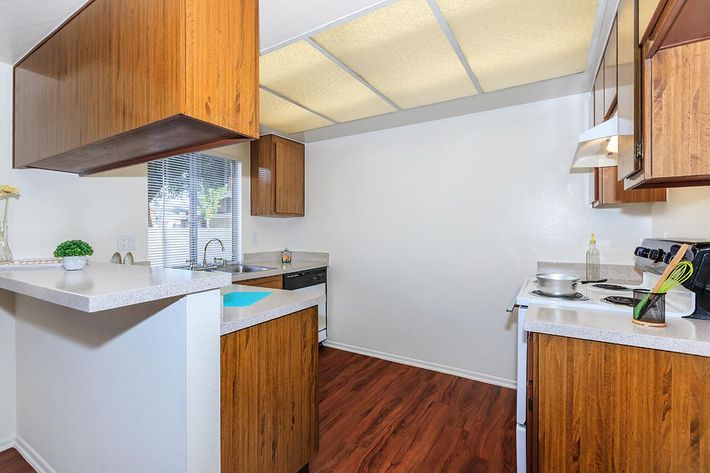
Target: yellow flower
{"x":7,"y":192}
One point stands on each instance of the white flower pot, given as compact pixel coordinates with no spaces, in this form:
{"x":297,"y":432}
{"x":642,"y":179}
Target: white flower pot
{"x":74,"y":263}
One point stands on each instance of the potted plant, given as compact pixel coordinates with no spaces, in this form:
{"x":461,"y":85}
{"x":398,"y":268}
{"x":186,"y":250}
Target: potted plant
{"x":73,"y":254}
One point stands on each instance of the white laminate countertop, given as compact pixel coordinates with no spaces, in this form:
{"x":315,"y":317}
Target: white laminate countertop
{"x":278,"y":268}
{"x":104,"y":286}
{"x":681,"y":335}
{"x":275,"y":305}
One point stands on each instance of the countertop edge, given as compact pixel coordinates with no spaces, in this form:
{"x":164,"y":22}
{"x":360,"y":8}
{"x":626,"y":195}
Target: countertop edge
{"x":639,"y":340}
{"x":250,"y":321}
{"x":115,"y":300}
{"x":154,"y":293}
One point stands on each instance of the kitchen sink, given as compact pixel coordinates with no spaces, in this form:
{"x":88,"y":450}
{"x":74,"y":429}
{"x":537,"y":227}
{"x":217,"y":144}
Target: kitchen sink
{"x":233,"y":268}
{"x":240,"y":268}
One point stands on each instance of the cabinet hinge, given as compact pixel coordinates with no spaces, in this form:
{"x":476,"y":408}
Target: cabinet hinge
{"x":639,"y":150}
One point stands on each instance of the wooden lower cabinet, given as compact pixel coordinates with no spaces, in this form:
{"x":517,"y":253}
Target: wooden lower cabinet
{"x":599,"y":407}
{"x":273,"y":282}
{"x":270,"y":395}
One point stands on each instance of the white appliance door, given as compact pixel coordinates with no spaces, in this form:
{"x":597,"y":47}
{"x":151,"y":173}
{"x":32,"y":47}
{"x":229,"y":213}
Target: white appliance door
{"x":521,"y":448}
{"x":318,"y":289}
{"x":522,"y":392}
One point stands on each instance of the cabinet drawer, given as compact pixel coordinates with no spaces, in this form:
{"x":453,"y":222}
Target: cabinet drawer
{"x":273,"y":282}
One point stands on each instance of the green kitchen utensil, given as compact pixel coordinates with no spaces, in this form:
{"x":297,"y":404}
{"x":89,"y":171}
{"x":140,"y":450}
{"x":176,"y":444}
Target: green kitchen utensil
{"x":682,"y":272}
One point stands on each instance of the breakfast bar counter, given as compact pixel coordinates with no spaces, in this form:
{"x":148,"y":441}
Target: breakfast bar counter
{"x":104,"y":286}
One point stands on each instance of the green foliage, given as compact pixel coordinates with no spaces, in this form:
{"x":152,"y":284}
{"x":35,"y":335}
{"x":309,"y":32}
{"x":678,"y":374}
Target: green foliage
{"x":73,"y":248}
{"x":210,"y":198}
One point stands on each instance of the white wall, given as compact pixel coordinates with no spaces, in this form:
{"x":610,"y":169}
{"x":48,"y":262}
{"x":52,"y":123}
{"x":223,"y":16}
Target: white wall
{"x":8,"y":419}
{"x":431,"y":227}
{"x":685,"y":215}
{"x":134,"y":389}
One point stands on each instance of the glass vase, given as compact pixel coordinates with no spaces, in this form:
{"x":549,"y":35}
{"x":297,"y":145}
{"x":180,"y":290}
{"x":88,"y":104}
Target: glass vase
{"x":5,"y":253}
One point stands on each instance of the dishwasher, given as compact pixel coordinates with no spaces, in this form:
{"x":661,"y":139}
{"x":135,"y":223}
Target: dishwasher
{"x":315,"y":281}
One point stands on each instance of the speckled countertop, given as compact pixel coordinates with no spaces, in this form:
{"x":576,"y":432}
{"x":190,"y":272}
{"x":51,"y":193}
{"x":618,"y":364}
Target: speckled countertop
{"x":681,"y":335}
{"x":278,"y":268}
{"x":273,"y":306}
{"x":104,"y":286}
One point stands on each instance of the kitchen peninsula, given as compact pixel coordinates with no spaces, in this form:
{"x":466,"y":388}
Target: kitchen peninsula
{"x":119,"y":366}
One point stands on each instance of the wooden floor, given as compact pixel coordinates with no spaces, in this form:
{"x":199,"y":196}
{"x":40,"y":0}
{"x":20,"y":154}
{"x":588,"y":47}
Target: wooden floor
{"x":12,"y":462}
{"x":377,"y":416}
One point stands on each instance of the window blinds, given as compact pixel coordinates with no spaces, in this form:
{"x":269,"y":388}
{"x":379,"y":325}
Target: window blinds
{"x":193,"y":198}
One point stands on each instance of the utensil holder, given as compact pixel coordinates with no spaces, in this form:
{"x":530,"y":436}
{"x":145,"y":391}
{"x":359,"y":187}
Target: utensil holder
{"x":653,"y":313}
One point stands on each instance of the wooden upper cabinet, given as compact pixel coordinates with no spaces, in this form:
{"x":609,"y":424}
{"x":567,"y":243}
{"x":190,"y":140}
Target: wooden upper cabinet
{"x":675,"y":23}
{"x":675,"y":97}
{"x":608,"y":188}
{"x":628,"y":95}
{"x":599,"y":97}
{"x":646,"y":15}
{"x":127,"y":81}
{"x":610,"y":71}
{"x":277,"y":177}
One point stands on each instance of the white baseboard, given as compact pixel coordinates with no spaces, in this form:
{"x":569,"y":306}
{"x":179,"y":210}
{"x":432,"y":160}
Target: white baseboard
{"x":484,"y":378}
{"x":32,"y":457}
{"x":7,"y":443}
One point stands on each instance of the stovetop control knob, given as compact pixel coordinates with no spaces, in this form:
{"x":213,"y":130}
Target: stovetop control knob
{"x":642,"y":252}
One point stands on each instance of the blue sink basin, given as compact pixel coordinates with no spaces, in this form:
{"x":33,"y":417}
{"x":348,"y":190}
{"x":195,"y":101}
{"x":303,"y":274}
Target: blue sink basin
{"x":243,"y":299}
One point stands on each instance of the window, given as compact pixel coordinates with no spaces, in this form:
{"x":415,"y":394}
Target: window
{"x":193,"y":198}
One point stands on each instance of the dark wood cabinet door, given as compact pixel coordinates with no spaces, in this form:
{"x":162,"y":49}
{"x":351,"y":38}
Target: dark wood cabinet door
{"x":680,"y":113}
{"x":277,"y":177}
{"x":603,"y":407}
{"x":273,"y":282}
{"x":628,"y":88}
{"x":610,"y":72}
{"x":289,"y":177}
{"x":599,"y":96}
{"x":269,"y":385}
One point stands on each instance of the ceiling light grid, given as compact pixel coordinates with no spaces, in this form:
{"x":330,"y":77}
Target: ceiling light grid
{"x":419,"y":52}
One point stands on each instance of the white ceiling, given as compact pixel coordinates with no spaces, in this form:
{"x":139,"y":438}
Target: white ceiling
{"x":24,"y":23}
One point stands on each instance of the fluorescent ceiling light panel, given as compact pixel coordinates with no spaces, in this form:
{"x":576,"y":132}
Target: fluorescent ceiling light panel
{"x":402,"y":52}
{"x":286,"y":117}
{"x":512,"y":42}
{"x":303,"y":74}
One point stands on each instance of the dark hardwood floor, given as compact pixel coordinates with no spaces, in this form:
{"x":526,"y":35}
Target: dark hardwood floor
{"x":377,"y":416}
{"x":12,"y":462}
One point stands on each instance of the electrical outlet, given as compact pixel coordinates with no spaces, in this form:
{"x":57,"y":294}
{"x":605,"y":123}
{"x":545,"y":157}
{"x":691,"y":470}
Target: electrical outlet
{"x":254,"y":238}
{"x":126,"y":242}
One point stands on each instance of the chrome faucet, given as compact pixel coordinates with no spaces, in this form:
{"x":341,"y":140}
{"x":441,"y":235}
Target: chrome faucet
{"x":204,"y":255}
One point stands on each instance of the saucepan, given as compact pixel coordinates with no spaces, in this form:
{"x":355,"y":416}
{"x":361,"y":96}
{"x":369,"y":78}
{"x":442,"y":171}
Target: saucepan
{"x":557,"y":284}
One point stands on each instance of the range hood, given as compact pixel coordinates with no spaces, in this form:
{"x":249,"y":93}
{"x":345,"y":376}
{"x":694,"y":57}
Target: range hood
{"x":598,"y":147}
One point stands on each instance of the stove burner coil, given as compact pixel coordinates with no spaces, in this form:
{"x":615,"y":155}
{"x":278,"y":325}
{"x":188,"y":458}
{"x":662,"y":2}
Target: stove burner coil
{"x":612,"y":287}
{"x":576,"y":297}
{"x":620,"y":300}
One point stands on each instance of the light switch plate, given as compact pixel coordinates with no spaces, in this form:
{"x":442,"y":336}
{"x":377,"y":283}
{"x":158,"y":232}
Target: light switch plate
{"x":126,"y":242}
